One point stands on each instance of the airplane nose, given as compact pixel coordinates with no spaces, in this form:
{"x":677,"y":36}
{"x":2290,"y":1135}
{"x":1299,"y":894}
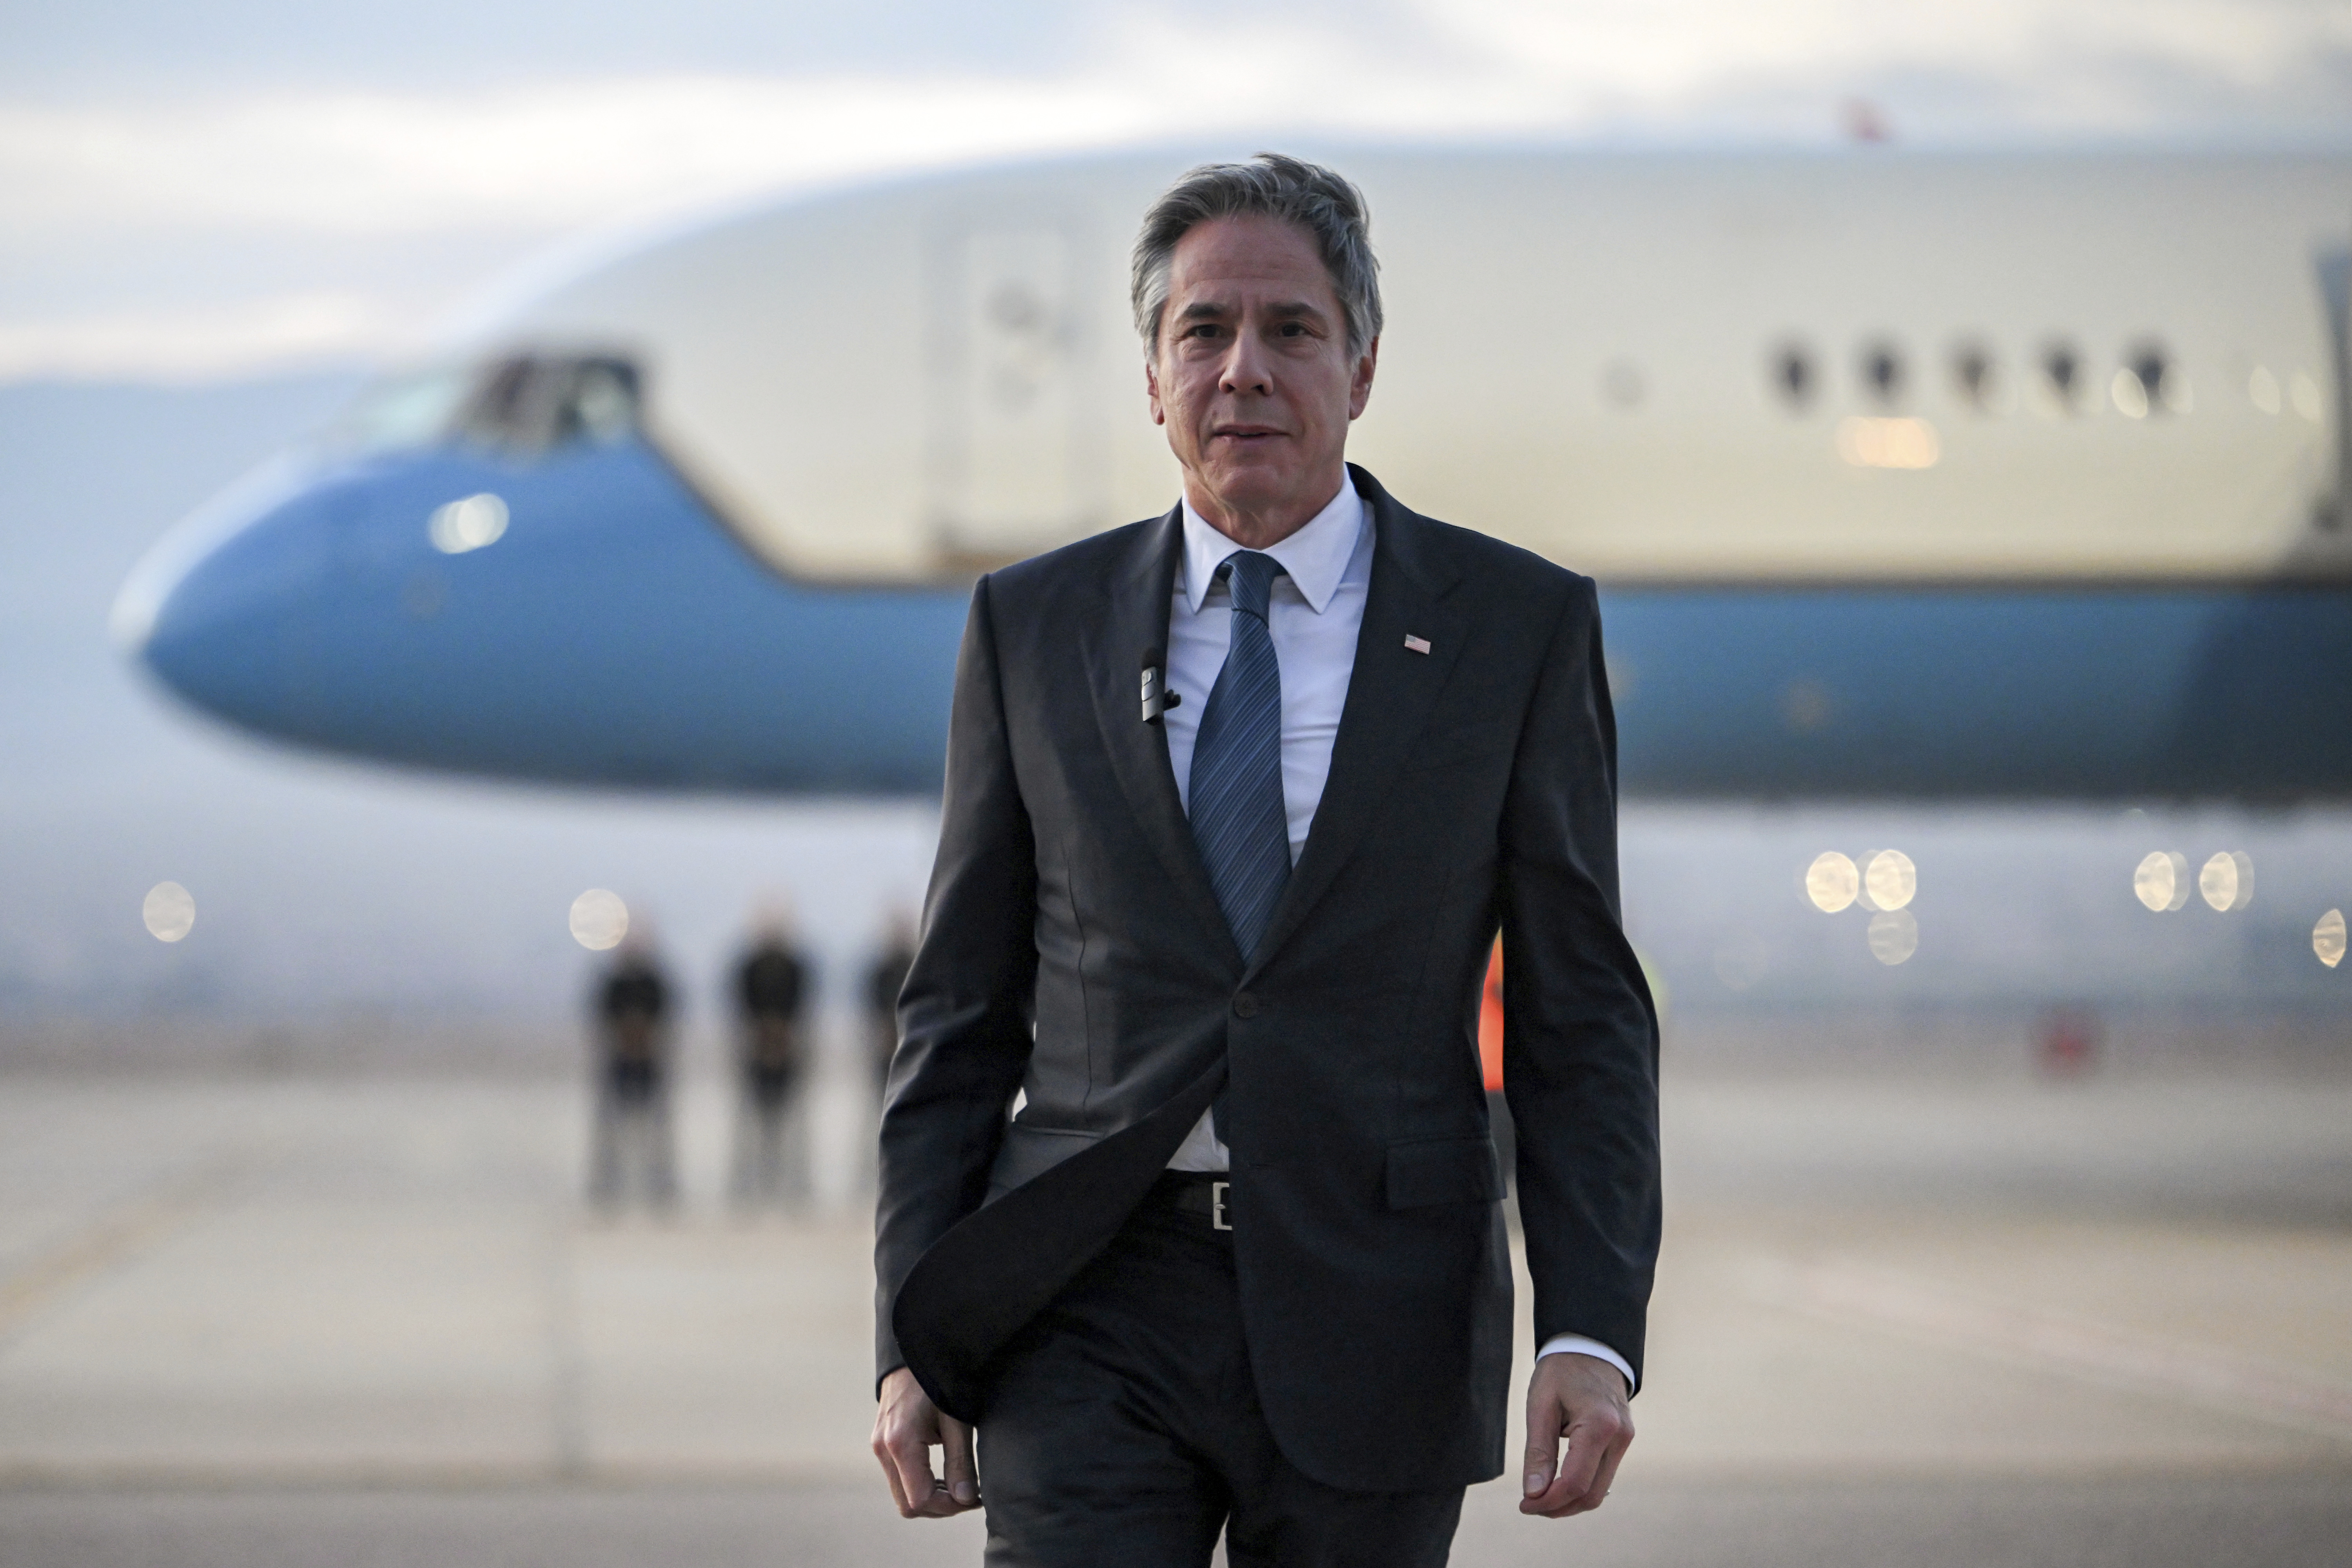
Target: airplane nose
{"x":577,"y":616}
{"x":223,"y":610}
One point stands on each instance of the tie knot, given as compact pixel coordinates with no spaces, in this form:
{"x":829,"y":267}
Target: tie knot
{"x":1250,"y":580}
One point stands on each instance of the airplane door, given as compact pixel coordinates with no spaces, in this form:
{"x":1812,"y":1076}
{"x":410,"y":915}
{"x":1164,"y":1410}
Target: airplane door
{"x":1010,"y":458}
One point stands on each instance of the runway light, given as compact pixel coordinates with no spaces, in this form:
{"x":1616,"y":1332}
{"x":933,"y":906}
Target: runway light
{"x":2327,"y":938}
{"x":599,"y":919}
{"x":2161,"y":882}
{"x":170,"y":911}
{"x":1887,"y":443}
{"x":2131,"y":397}
{"x":1893,"y":936}
{"x":2227,"y":883}
{"x":1891,"y":879}
{"x":2263,"y":390}
{"x":1831,"y":882}
{"x":469,"y":524}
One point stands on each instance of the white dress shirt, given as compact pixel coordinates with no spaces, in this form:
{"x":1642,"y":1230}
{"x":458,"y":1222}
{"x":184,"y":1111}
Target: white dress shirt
{"x":1313,"y":612}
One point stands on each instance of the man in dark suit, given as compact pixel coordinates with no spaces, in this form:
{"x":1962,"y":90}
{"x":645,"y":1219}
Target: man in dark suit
{"x":1188,"y":1200}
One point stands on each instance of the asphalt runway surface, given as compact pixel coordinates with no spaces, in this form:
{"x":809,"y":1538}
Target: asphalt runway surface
{"x":1934,"y":1321}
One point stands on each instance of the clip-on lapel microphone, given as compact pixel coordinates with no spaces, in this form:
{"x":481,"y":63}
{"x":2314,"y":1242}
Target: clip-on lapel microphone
{"x":1156,"y":698}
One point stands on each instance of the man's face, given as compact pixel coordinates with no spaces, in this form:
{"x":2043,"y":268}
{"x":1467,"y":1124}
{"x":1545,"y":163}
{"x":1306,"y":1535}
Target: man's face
{"x":1252,"y":374}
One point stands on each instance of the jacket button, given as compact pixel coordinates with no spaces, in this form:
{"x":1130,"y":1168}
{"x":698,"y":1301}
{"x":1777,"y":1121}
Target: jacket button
{"x":1244,"y":1005}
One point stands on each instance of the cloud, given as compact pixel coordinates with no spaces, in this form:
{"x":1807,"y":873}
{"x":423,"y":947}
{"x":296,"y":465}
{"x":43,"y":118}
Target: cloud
{"x":242,"y":338}
{"x":531,"y":158}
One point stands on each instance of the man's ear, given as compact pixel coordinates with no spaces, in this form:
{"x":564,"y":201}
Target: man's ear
{"x":1151,"y":388}
{"x":1360,"y":383}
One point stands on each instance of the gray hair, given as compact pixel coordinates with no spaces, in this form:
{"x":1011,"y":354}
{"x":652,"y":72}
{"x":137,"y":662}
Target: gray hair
{"x":1323,"y":203}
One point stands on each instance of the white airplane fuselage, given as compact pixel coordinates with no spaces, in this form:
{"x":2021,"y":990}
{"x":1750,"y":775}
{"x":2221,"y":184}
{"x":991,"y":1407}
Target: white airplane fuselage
{"x":1902,"y":474}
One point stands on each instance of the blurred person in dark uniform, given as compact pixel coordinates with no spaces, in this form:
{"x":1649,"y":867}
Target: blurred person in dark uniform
{"x":632,"y":1005}
{"x":771,"y":989}
{"x":883,"y":983}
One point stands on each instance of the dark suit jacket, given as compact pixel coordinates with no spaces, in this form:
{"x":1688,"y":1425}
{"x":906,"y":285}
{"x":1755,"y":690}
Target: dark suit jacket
{"x":1072,"y":949}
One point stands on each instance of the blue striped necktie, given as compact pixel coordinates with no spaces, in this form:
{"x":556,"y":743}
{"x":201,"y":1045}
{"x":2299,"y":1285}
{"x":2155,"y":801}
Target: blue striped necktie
{"x":1235,"y":802}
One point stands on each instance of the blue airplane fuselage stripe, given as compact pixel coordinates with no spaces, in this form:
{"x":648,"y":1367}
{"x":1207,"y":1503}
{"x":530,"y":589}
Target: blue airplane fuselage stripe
{"x":618,"y":635}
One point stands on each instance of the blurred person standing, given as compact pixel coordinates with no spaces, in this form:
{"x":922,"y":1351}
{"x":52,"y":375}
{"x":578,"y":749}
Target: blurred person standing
{"x":1189,"y":1204}
{"x":771,"y":993}
{"x":632,"y":1111}
{"x":884,"y":980}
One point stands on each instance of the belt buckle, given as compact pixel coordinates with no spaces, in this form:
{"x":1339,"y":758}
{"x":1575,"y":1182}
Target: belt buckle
{"x":1217,"y":1206}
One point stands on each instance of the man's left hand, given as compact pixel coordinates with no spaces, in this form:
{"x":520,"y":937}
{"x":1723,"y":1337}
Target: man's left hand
{"x":1581,"y":1398}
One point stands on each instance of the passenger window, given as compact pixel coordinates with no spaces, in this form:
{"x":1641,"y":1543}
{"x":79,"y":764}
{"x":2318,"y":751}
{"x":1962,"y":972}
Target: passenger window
{"x":1792,"y":377}
{"x":2062,"y":377}
{"x":1623,"y":385}
{"x":2162,"y":383}
{"x":1883,"y":378}
{"x":1976,"y":380}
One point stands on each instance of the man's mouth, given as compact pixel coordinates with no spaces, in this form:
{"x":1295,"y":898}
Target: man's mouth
{"x":1243,"y":433}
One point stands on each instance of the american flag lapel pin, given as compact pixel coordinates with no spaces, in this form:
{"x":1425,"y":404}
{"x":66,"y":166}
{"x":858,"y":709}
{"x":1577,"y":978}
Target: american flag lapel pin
{"x":1418,"y":645}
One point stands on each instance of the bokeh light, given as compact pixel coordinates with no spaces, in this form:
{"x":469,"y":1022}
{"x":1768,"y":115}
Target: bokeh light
{"x":1831,"y":882}
{"x":2130,"y":393}
{"x":469,"y":524}
{"x":170,"y":911}
{"x":1893,"y":936}
{"x":2303,"y":393}
{"x":1898,"y":443}
{"x":1891,"y":879}
{"x":2327,"y":938}
{"x":2263,"y":390}
{"x":599,"y":919}
{"x":2227,"y":881}
{"x":2161,"y":880}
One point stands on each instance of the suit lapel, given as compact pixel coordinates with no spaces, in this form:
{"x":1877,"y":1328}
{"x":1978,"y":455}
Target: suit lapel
{"x":1135,"y":620}
{"x":1391,"y":693}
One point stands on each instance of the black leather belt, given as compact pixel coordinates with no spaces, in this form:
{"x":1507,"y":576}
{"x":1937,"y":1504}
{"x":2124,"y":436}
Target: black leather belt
{"x":1206,"y":1194}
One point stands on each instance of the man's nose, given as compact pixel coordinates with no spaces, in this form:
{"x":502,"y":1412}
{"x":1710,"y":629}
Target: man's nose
{"x":1245,"y":371}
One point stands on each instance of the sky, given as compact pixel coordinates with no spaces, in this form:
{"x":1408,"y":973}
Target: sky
{"x":204,"y":192}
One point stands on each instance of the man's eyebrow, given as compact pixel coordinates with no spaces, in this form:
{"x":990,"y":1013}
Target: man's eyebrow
{"x":1210,"y":309}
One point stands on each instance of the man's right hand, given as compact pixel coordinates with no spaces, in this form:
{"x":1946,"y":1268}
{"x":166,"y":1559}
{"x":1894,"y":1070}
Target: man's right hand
{"x":906,"y":1429}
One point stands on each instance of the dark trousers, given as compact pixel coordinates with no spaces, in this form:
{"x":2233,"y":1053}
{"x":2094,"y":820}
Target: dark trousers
{"x":1123,"y":1426}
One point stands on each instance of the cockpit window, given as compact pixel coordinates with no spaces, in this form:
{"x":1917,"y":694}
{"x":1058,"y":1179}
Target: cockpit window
{"x":523,"y":404}
{"x":412,"y":410}
{"x":533,"y":402}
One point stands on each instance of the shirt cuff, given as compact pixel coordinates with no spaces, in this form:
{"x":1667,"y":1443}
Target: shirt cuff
{"x":1594,"y":1348}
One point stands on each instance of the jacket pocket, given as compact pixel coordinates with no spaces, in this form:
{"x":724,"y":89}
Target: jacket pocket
{"x":1028,"y":1153}
{"x":1443,"y":1171}
{"x":1464,"y":743}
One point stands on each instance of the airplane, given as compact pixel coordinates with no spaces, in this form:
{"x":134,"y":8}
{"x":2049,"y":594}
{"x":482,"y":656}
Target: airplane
{"x":2015,"y":475}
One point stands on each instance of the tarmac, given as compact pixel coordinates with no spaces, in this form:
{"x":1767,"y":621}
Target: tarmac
{"x":1922,"y":1321}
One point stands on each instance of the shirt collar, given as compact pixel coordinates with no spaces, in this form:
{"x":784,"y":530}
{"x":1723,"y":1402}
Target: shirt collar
{"x":1315,"y":557}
